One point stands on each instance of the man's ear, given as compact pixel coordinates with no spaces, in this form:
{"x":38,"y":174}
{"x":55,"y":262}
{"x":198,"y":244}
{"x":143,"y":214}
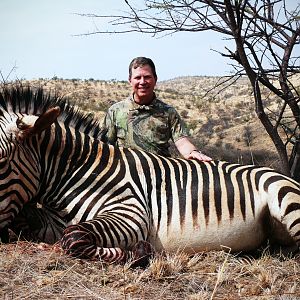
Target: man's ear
{"x":43,"y":122}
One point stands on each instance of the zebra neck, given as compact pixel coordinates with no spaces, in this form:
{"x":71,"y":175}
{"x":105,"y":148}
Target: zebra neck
{"x":65,"y":156}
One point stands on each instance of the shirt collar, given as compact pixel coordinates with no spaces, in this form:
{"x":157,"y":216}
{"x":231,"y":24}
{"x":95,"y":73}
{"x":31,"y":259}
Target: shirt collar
{"x":135,"y":106}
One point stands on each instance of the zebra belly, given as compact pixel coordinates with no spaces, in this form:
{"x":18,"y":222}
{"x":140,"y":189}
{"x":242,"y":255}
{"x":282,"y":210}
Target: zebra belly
{"x":233,"y":236}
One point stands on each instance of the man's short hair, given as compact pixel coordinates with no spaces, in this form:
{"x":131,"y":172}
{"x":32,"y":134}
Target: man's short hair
{"x":140,"y":62}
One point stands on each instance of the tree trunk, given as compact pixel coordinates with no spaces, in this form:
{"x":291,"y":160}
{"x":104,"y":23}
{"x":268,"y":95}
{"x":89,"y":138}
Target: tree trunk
{"x":294,"y":161}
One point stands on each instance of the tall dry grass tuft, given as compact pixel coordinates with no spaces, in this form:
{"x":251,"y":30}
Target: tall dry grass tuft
{"x":168,"y":265}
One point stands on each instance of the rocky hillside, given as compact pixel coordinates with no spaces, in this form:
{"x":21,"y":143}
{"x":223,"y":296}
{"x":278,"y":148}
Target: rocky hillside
{"x":221,"y":117}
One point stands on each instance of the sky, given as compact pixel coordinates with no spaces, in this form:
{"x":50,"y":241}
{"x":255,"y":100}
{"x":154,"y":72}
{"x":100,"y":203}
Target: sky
{"x":43,"y":39}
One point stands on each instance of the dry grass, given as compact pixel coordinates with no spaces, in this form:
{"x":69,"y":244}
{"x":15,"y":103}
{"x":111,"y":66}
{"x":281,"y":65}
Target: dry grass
{"x":33,"y":271}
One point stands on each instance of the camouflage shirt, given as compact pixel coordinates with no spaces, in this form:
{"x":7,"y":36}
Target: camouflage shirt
{"x":145,"y":127}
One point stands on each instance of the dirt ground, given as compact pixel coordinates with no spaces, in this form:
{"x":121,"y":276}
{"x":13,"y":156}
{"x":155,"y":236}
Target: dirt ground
{"x":37,"y":271}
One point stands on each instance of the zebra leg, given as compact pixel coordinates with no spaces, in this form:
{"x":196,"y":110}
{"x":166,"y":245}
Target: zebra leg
{"x":141,"y":254}
{"x":285,"y":217}
{"x":37,"y":224}
{"x":80,"y":242}
{"x":24,"y":224}
{"x":4,"y":235}
{"x":282,"y":240}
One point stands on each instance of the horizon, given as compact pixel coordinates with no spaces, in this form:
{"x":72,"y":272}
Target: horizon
{"x":55,"y":78}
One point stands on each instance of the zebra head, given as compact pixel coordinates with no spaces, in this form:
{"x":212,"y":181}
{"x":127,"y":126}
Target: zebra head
{"x":18,"y":167}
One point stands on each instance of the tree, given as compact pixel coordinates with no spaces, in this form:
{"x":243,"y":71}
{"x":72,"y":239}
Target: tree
{"x":265,"y":34}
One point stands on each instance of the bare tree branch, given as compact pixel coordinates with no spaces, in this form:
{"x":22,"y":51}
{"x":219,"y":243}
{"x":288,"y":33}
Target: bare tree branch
{"x":265,"y":34}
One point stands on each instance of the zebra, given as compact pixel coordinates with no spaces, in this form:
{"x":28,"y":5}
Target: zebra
{"x":60,"y":182}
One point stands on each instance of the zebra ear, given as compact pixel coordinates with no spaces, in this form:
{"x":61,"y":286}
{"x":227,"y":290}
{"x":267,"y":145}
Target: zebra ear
{"x":46,"y":119}
{"x":43,"y":122}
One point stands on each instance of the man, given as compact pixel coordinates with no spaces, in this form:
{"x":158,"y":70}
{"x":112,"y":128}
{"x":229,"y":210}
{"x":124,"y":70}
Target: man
{"x":143,"y":121}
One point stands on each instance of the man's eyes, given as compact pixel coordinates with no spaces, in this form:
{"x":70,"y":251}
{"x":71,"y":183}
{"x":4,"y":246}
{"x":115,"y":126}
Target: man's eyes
{"x":145,"y":77}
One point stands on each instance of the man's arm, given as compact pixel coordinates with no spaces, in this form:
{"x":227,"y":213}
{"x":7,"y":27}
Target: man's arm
{"x":109,"y":128}
{"x":189,"y":151}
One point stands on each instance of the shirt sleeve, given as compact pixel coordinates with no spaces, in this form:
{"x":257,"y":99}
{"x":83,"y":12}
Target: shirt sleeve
{"x":110,"y":126}
{"x":178,"y":127}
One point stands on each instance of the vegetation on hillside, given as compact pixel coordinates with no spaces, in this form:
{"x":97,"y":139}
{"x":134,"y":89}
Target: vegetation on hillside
{"x":222,"y":120}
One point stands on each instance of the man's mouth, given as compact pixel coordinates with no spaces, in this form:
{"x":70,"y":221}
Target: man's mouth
{"x":143,"y":89}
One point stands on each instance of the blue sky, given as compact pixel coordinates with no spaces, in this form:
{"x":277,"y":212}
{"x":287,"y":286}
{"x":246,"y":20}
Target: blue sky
{"x":38,"y":40}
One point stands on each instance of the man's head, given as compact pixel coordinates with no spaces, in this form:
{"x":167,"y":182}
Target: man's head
{"x":140,"y":62}
{"x":142,"y":78}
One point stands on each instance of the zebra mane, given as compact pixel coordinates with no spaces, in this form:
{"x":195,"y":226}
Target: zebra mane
{"x":35,"y":101}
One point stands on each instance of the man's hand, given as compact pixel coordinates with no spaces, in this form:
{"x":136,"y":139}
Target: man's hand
{"x":198,"y":155}
{"x":189,"y":151}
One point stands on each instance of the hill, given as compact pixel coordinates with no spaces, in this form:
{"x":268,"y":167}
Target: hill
{"x":221,"y":118}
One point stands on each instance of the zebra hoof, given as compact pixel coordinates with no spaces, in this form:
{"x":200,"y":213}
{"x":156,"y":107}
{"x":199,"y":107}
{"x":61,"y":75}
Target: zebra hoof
{"x":142,"y":252}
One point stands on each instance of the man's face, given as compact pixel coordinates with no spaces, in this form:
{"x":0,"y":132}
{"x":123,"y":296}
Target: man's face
{"x":143,"y":82}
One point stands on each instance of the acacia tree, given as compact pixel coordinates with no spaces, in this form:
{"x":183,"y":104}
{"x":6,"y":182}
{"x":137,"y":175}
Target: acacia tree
{"x":265,"y":35}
